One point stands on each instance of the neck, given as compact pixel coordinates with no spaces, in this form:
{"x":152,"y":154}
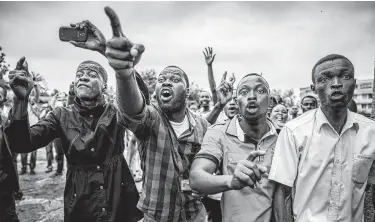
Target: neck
{"x":91,"y":103}
{"x":178,"y":116}
{"x":336,"y":116}
{"x":255,"y":128}
{"x":206,"y":108}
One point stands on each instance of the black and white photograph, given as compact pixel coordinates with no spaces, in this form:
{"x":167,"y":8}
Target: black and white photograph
{"x":187,"y":111}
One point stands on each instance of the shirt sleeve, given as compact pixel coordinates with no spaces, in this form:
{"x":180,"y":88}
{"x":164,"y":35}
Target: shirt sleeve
{"x":285,"y":159}
{"x":211,"y":146}
{"x":371,"y":176}
{"x":142,"y":123}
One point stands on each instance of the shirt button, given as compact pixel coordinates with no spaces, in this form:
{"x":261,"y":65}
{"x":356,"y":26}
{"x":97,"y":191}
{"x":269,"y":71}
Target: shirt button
{"x":91,"y":116}
{"x":103,"y":209}
{"x":92,"y":149}
{"x":101,"y":187}
{"x":75,"y":195}
{"x":98,"y":167}
{"x":122,"y":184}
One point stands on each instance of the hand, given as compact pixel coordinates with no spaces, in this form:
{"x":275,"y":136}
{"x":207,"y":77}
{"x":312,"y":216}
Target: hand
{"x":121,"y":53}
{"x":225,"y":89}
{"x":247,"y":173}
{"x":20,"y":80}
{"x":95,"y":38}
{"x":208,"y":56}
{"x":71,"y":89}
{"x":197,"y":194}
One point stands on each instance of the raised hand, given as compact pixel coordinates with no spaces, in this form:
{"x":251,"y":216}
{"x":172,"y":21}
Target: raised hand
{"x":95,"y":38}
{"x":121,"y":53}
{"x":20,"y":80}
{"x":208,"y":56}
{"x":225,"y":89}
{"x":247,"y":173}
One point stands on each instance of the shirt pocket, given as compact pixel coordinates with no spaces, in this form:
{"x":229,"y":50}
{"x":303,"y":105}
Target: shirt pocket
{"x":233,"y":159}
{"x":361,"y":167}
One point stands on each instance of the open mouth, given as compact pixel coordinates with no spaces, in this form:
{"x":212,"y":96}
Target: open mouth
{"x":337,"y":95}
{"x":252,"y":107}
{"x":232,"y":108}
{"x":166,"y":94}
{"x":279,"y":118}
{"x":80,"y":85}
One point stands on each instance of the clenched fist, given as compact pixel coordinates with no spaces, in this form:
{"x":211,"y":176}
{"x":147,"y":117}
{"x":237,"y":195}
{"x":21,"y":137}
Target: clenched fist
{"x":121,"y":53}
{"x":20,"y":80}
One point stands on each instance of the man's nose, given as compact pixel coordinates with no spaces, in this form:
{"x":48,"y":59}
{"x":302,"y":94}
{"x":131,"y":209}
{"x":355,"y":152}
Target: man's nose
{"x":336,"y":84}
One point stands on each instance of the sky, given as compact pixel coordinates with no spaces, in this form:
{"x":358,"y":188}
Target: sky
{"x":282,"y":40}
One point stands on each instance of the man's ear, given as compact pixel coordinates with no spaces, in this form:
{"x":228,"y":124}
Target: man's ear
{"x":312,"y":86}
{"x":104,"y":87}
{"x":187,"y":92}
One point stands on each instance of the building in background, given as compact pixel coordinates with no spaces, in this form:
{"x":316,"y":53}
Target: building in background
{"x":362,"y":95}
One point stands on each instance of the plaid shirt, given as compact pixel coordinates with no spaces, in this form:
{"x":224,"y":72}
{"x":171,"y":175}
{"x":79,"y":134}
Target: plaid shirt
{"x":165,"y":161}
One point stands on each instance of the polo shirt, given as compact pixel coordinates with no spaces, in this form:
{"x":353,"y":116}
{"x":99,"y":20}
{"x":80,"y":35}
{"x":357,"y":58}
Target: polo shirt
{"x":224,"y":144}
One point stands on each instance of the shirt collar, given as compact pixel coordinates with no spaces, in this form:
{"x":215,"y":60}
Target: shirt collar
{"x":235,"y":129}
{"x":321,"y":120}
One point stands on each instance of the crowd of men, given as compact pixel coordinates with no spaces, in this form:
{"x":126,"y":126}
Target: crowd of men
{"x":235,"y":155}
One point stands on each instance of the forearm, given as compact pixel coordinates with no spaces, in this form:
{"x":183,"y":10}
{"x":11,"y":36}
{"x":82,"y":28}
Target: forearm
{"x":19,"y":109}
{"x":206,"y":183}
{"x":129,"y":97}
{"x":214,"y":114}
{"x":282,"y":204}
{"x":37,"y":93}
{"x":212,"y":83}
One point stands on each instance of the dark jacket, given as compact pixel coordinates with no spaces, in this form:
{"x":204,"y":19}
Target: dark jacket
{"x":8,"y":173}
{"x":99,"y":185}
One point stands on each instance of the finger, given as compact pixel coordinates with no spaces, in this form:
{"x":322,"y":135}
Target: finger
{"x":25,"y":66}
{"x":213,"y":57}
{"x":262,"y":169}
{"x":77,"y":44}
{"x":204,"y":54}
{"x":255,"y":154}
{"x":224,"y":76}
{"x":120,"y":64}
{"x":254,"y":169}
{"x":210,"y":48}
{"x":137,"y":49}
{"x":115,"y":22}
{"x":73,"y":25}
{"x":243,"y":178}
{"x":117,"y":54}
{"x":19,"y":63}
{"x":118,"y":43}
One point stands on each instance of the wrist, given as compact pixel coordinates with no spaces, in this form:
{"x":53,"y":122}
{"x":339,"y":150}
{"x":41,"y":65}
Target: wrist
{"x":228,"y":183}
{"x":218,"y":105}
{"x":124,"y":73}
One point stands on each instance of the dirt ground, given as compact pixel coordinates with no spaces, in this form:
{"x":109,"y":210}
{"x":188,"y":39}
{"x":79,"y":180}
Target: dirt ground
{"x":42,"y":195}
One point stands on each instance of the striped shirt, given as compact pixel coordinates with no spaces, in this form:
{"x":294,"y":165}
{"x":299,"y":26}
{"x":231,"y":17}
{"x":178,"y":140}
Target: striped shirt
{"x":166,"y":160}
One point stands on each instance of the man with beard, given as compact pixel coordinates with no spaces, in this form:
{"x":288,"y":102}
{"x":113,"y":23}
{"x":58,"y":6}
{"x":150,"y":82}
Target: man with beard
{"x":236,"y":148}
{"x":327,"y":155}
{"x":99,"y":185}
{"x":308,"y":103}
{"x":169,"y":134}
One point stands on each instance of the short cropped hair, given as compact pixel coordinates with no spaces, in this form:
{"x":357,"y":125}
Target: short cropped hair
{"x":255,"y":74}
{"x":327,"y":58}
{"x":311,"y":97}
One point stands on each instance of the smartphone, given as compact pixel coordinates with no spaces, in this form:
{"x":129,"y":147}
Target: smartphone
{"x":67,"y":34}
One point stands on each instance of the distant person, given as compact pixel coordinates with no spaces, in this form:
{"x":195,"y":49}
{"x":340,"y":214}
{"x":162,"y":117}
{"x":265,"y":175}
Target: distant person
{"x":279,"y":115}
{"x":293,"y":112}
{"x":308,"y":103}
{"x":193,"y":106}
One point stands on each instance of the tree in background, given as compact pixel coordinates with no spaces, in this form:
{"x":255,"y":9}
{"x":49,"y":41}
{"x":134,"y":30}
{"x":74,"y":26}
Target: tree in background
{"x":195,"y":89}
{"x":286,"y":97}
{"x":4,"y":66}
{"x":149,"y":77}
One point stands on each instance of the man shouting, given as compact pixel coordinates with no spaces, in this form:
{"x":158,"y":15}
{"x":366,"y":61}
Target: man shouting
{"x":170,"y":135}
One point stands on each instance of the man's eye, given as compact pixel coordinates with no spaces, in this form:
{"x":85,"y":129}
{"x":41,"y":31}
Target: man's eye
{"x":346,"y":77}
{"x":160,"y":80}
{"x":243,"y":92}
{"x":260,"y":90}
{"x":176,"y":80}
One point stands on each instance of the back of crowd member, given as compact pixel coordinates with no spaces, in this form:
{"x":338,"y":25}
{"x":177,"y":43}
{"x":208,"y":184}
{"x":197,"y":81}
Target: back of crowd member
{"x":327,"y":155}
{"x":279,"y":115}
{"x":308,"y":103}
{"x":242,"y":149}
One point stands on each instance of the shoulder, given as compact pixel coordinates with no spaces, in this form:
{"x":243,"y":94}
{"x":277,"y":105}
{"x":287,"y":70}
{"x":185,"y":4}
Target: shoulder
{"x":364,"y":122}
{"x":305,"y":119}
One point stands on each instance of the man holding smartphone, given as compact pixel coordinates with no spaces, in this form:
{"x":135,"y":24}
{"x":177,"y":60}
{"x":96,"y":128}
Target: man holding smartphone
{"x":99,"y":185}
{"x":241,"y":149}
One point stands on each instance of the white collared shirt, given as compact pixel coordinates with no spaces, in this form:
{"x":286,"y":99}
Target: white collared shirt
{"x":328,"y":171}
